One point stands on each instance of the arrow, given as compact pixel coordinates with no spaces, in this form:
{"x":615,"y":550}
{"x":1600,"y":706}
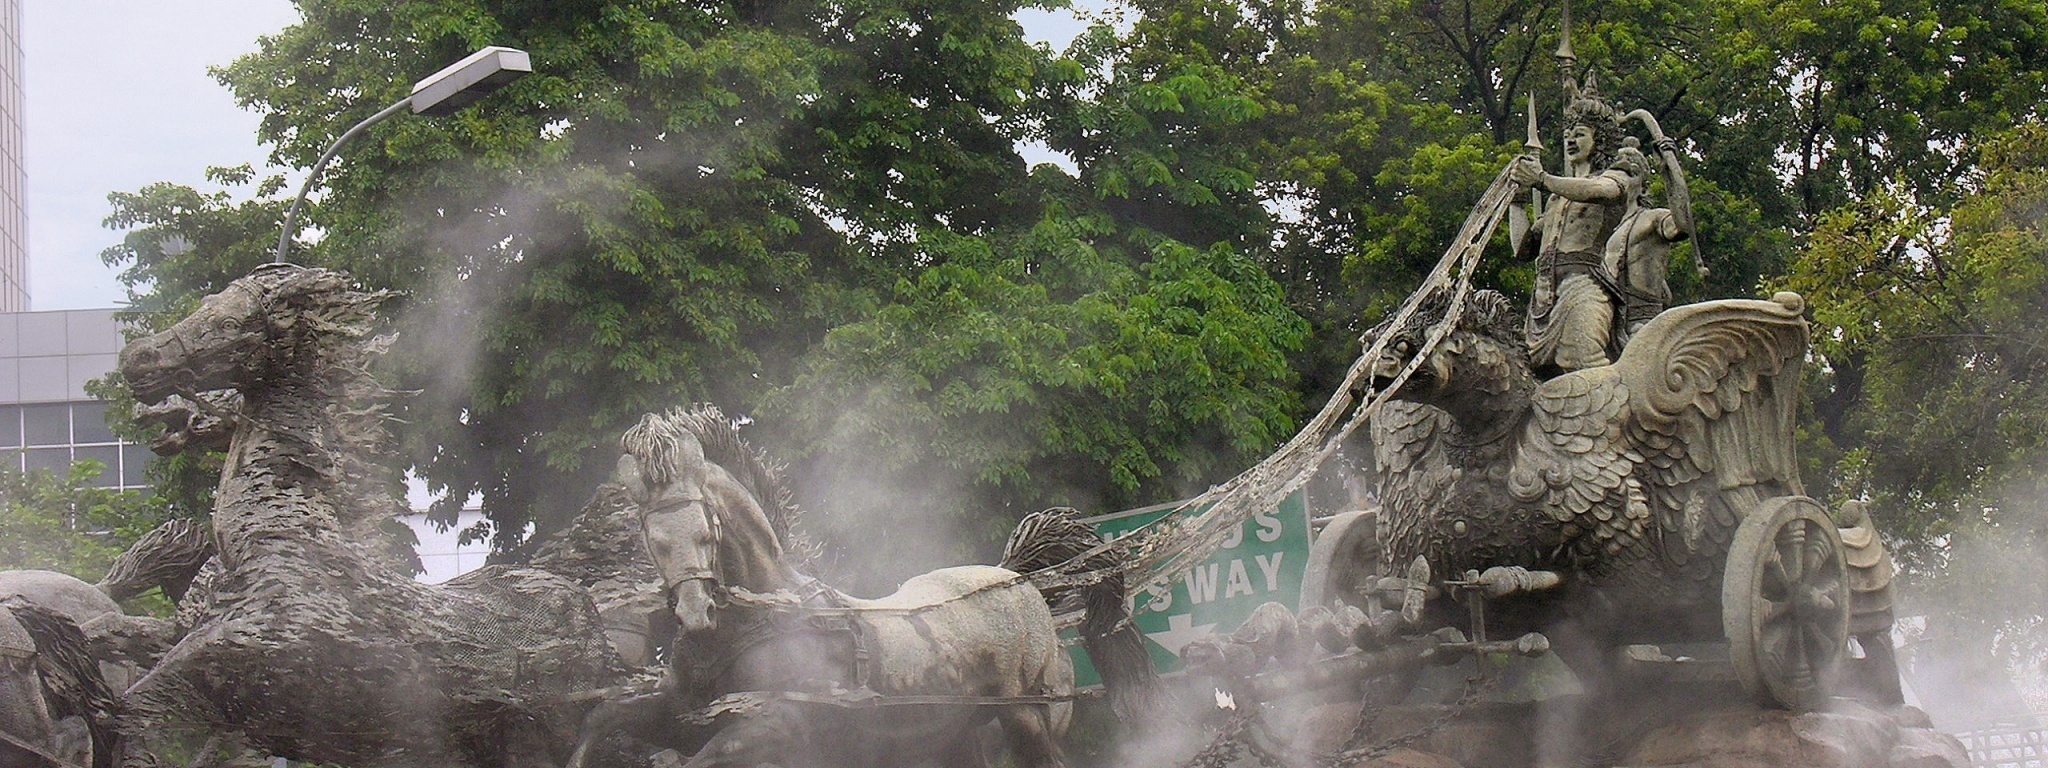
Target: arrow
{"x":1180,"y":630}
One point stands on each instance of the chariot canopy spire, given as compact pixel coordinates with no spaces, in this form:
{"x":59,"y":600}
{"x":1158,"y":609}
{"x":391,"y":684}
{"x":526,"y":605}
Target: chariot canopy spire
{"x":1567,"y":61}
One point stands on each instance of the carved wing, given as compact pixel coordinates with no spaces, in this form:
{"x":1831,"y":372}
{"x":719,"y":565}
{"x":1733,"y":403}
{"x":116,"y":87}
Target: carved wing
{"x":1713,"y":388}
{"x":1576,"y":465}
{"x":1414,"y":477}
{"x":1665,"y":450}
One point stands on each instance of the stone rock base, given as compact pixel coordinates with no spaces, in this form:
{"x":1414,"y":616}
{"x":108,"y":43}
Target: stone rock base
{"x":1850,"y":737}
{"x":1720,"y":735}
{"x":1480,"y":737}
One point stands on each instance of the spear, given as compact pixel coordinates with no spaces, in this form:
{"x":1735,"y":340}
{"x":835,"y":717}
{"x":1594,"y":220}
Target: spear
{"x":1518,"y":227}
{"x":1532,"y":145}
{"x":1566,"y":59}
{"x":1564,"y":40}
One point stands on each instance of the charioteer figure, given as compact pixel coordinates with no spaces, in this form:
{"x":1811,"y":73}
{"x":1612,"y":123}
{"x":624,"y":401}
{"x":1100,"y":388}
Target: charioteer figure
{"x":1571,"y":311}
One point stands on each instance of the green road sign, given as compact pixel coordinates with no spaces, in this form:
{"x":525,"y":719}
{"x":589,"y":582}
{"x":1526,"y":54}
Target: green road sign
{"x":1263,"y":562}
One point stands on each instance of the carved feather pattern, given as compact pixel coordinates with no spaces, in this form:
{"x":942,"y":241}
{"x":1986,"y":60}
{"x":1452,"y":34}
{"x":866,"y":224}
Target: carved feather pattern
{"x":1636,"y":472}
{"x":1414,"y":476}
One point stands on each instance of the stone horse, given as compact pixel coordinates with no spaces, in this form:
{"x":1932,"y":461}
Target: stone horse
{"x":55,"y":710}
{"x":899,"y":680}
{"x":315,"y":648}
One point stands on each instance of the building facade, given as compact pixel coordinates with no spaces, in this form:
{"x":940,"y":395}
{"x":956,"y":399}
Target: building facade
{"x":47,"y":421}
{"x":13,"y":179}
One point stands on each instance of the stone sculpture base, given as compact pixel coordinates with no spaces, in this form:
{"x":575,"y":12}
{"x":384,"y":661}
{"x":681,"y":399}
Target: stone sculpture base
{"x":1850,"y":737}
{"x":1725,"y":735}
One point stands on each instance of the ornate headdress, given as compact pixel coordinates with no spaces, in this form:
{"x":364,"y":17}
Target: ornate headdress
{"x":1583,"y":105}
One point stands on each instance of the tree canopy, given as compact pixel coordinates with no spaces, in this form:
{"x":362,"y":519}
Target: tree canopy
{"x":1929,"y":326}
{"x":818,"y":215}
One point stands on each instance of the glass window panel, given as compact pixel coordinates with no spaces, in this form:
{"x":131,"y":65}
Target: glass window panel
{"x":56,"y":461}
{"x":109,"y":457}
{"x":10,"y":426}
{"x":135,"y":460}
{"x":47,"y":424}
{"x":89,"y":423}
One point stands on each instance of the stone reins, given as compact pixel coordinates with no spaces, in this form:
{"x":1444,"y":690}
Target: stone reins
{"x":714,"y":583}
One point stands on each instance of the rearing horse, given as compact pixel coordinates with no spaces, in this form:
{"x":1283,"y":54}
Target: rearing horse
{"x":978,"y":636}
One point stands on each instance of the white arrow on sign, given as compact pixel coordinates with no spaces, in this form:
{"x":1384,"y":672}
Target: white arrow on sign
{"x":1180,"y":630}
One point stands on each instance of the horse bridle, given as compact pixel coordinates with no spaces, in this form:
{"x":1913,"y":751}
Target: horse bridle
{"x":708,"y":573}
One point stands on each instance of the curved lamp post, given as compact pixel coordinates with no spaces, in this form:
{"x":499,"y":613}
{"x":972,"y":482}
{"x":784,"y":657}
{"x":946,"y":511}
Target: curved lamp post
{"x":456,"y":86}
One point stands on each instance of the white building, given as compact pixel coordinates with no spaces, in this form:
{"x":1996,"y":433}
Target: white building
{"x":47,"y":421}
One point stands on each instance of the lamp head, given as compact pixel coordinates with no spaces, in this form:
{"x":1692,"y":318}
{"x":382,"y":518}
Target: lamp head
{"x":477,"y":75}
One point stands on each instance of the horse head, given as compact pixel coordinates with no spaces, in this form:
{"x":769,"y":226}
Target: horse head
{"x":252,"y":335}
{"x":666,"y":474}
{"x":706,"y":531}
{"x":1479,"y":363}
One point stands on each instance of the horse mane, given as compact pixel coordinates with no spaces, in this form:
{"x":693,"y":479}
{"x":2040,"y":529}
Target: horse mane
{"x":761,"y":475}
{"x":169,"y":556}
{"x":326,"y":318}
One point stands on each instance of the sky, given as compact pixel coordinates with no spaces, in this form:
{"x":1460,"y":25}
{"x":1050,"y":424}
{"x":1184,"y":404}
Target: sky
{"x":118,"y":97}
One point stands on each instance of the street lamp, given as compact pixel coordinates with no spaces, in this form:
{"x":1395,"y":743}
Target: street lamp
{"x":456,"y":86}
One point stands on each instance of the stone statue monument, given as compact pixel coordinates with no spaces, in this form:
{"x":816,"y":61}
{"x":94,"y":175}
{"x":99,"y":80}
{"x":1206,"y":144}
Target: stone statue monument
{"x":1571,"y":311}
{"x":314,"y":647}
{"x":1617,"y":474}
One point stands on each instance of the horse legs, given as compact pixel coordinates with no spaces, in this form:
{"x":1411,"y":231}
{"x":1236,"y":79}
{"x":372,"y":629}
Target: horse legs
{"x":1029,"y":730}
{"x":966,"y":750}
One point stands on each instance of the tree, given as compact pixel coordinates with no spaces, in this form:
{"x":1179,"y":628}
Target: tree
{"x":683,"y":201}
{"x":1074,"y":363}
{"x":63,"y":524}
{"x":1938,"y":308}
{"x":1387,"y":116}
{"x":1115,"y":344}
{"x":641,"y":222}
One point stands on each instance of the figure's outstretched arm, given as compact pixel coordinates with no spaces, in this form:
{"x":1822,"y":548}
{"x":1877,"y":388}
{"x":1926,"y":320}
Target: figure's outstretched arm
{"x":1598,"y":188}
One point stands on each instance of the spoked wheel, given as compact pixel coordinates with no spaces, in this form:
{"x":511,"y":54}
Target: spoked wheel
{"x":1785,"y":603}
{"x":1341,"y":562}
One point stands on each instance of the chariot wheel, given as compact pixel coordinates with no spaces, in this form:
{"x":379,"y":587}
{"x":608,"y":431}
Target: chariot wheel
{"x":1785,"y":603}
{"x":1342,"y":559}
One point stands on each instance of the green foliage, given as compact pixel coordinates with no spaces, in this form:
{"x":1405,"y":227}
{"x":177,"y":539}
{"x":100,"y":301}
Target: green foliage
{"x":1929,"y":320}
{"x":1064,"y":364}
{"x":64,"y":524}
{"x":815,"y":214}
{"x":682,"y":201}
